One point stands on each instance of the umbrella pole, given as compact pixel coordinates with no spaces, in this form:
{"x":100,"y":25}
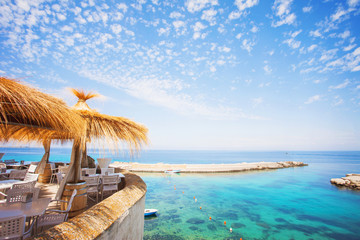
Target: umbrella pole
{"x":84,"y":160}
{"x":45,"y":159}
{"x":73,"y":168}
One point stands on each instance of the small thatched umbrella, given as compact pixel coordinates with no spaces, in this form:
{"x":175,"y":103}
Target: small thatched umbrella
{"x":110,"y":129}
{"x":27,"y":114}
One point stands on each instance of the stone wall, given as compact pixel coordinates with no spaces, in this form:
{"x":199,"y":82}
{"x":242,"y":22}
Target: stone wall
{"x":120,"y":216}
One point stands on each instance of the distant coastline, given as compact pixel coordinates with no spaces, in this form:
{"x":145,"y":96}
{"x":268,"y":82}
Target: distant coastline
{"x":206,"y":168}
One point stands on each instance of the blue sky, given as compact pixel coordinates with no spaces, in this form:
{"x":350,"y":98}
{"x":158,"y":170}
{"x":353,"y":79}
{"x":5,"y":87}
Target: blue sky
{"x":200,"y":74}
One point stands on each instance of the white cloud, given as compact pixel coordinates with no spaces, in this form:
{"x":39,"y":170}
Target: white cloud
{"x":292,"y":43}
{"x":239,"y":35}
{"x":353,"y":3}
{"x":224,"y":49}
{"x":197,"y":5}
{"x":282,"y":10}
{"x":338,"y":101}
{"x":350,"y":47}
{"x":356,"y":51}
{"x":313,"y":99}
{"x":345,"y":34}
{"x":254,"y":29}
{"x":267,"y":69}
{"x":307,"y":9}
{"x":176,"y":15}
{"x":328,"y":55}
{"x":235,"y":15}
{"x":341,"y":85}
{"x":244,"y":4}
{"x":116,"y":28}
{"x":209,"y":15}
{"x":356,"y":69}
{"x":247,"y":45}
{"x":197,"y":30}
{"x":315,"y":33}
{"x":340,"y":12}
{"x":67,"y":29}
{"x":123,"y":7}
{"x":312,"y":47}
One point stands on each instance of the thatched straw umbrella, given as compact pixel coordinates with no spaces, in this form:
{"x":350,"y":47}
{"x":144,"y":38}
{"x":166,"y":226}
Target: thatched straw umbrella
{"x":111,"y":130}
{"x":27,"y":114}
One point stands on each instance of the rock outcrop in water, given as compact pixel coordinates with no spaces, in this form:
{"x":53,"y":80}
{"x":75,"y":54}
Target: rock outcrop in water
{"x":206,"y":168}
{"x":351,"y":181}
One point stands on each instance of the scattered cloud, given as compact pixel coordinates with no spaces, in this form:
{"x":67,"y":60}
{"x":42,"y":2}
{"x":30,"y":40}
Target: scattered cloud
{"x":341,"y":85}
{"x":312,"y":99}
{"x":197,"y":5}
{"x":282,"y":10}
{"x":307,"y":9}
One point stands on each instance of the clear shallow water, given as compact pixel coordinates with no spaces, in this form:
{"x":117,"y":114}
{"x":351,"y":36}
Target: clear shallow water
{"x":292,"y":203}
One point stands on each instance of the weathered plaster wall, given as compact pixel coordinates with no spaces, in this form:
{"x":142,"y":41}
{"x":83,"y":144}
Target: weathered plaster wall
{"x":121,"y":216}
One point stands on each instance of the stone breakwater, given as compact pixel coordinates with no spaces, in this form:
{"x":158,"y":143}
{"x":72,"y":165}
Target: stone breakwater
{"x":352,"y":180}
{"x":205,"y":168}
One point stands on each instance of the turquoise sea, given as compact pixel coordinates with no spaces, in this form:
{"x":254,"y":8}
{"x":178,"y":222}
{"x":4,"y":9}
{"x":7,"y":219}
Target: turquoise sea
{"x":292,"y":203}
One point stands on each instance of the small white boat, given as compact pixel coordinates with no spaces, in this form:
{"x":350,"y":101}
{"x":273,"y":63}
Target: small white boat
{"x":172,"y":171}
{"x":149,"y":212}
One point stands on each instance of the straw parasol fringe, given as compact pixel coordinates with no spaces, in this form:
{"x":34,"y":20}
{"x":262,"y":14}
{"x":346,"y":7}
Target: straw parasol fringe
{"x":27,"y":114}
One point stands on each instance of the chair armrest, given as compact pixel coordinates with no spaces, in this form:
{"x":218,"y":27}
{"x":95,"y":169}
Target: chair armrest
{"x":55,"y":210}
{"x":59,"y":201}
{"x":3,"y":194}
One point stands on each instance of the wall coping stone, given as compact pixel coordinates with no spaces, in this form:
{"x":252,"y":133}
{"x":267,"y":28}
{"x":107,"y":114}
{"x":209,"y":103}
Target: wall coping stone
{"x":95,"y":220}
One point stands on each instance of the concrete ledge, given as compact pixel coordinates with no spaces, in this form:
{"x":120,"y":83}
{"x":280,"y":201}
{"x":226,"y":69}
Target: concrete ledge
{"x":120,"y":216}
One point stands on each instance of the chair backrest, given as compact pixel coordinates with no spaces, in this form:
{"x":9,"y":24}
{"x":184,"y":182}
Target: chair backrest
{"x":9,"y":161}
{"x":109,"y":180}
{"x":91,"y":171}
{"x":32,"y":168}
{"x":18,"y":174}
{"x":92,"y":180}
{"x":107,"y":170}
{"x":12,"y":227}
{"x":24,"y":185}
{"x":29,"y":177}
{"x":16,"y":195}
{"x":63,"y":169}
{"x":59,"y":177}
{"x":52,"y":166}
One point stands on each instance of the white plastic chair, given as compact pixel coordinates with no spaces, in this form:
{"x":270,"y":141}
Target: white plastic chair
{"x":91,"y":171}
{"x":29,"y":177}
{"x":14,"y":227}
{"x":18,"y":174}
{"x":24,"y":185}
{"x":32,"y":168}
{"x":17,"y":195}
{"x":54,"y":217}
{"x":93,"y":185}
{"x":107,"y":170}
{"x":59,"y":177}
{"x":109,"y":184}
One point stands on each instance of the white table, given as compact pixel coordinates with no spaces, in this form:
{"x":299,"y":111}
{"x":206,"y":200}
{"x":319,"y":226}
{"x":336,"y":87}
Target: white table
{"x":31,"y":209}
{"x":5,"y":184}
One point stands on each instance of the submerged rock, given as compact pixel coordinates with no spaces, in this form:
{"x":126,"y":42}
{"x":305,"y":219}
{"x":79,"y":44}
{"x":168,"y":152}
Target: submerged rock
{"x":193,"y":228}
{"x":211,"y":227}
{"x":237,"y":225}
{"x":263,"y":224}
{"x":195,"y":221}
